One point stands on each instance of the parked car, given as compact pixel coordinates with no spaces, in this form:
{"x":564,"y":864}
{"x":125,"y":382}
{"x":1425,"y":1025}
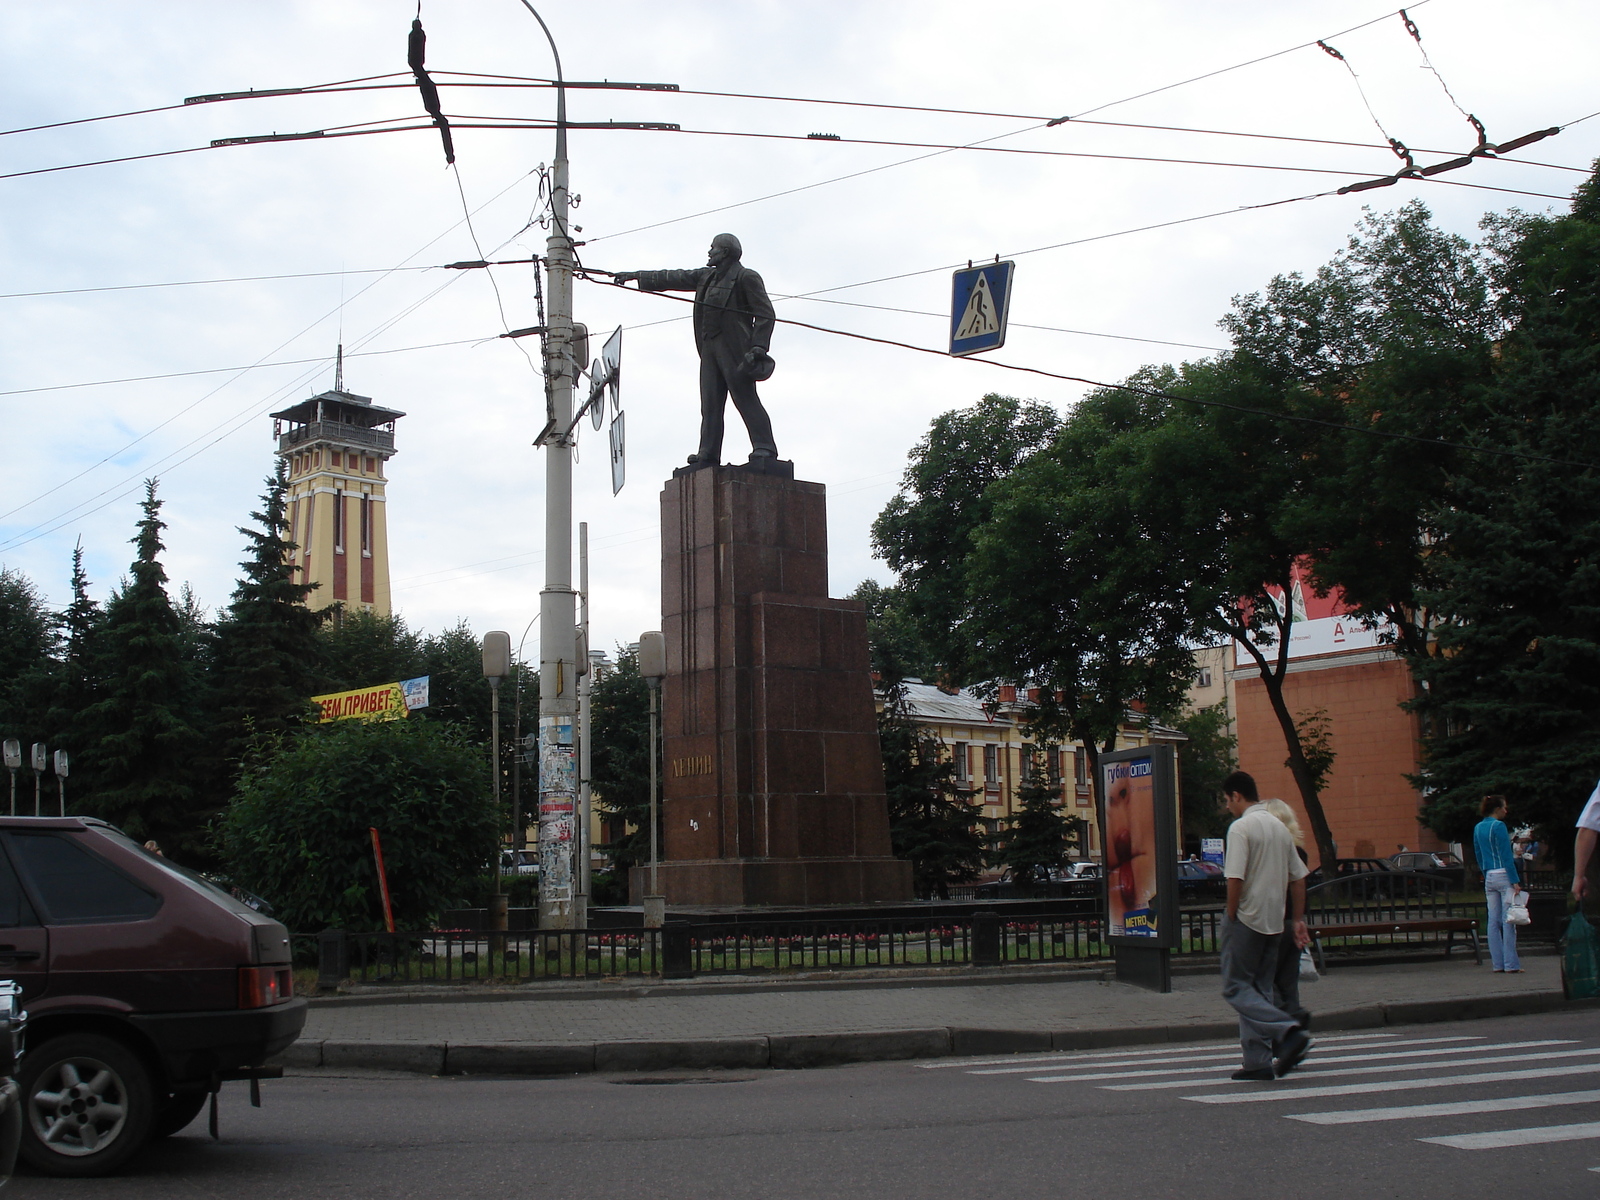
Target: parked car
{"x":1445,"y":866}
{"x":13,"y":1020}
{"x":1354,"y":866}
{"x":146,"y":985}
{"x":1086,"y":870}
{"x":519,"y":862}
{"x":1049,"y":883}
{"x":1201,"y":881}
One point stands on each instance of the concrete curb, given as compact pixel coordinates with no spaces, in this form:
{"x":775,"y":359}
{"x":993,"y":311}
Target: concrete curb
{"x":796,"y":1051}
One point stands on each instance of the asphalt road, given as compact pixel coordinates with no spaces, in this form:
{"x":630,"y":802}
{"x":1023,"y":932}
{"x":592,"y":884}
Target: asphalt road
{"x":1481,"y":1108}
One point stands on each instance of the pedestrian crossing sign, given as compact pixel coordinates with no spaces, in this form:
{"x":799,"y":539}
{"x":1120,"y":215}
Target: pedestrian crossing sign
{"x":979,"y":301}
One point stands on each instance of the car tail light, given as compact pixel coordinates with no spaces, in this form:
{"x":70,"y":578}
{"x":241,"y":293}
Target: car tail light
{"x":262,"y":987}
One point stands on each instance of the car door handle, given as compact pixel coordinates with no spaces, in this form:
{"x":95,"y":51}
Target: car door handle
{"x":12,"y":954}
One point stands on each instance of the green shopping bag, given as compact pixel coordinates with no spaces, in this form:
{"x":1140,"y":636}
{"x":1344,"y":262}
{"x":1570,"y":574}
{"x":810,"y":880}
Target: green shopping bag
{"x":1580,"y":960}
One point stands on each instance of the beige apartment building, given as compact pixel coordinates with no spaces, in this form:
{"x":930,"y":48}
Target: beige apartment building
{"x":992,"y":755}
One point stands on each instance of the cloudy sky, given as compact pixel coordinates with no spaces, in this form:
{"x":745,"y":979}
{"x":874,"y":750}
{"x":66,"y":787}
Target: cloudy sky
{"x":105,"y":387}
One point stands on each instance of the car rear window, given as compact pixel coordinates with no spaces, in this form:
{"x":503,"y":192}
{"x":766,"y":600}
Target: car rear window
{"x":77,"y":886}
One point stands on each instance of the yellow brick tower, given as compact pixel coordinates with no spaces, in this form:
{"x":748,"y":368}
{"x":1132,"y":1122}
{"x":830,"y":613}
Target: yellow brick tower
{"x":336,"y":445}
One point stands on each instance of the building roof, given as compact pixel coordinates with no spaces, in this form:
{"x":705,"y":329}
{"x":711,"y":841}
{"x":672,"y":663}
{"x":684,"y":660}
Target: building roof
{"x":340,"y":406}
{"x":929,"y":703}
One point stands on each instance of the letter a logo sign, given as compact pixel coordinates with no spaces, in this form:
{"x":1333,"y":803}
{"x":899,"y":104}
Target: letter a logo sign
{"x":980,"y":299}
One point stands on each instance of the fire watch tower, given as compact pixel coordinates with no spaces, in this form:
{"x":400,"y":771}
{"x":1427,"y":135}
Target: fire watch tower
{"x":336,"y":445}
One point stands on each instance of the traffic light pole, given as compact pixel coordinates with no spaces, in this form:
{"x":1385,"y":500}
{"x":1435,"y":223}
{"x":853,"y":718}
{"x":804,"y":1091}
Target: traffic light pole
{"x":558,"y":674}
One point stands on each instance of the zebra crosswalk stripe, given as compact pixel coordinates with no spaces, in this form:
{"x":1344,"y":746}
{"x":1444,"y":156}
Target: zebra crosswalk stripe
{"x":1393,"y":1085}
{"x":1160,"y":1051}
{"x":1501,"y":1138}
{"x":1453,"y":1108}
{"x":1384,"y":1053}
{"x":1380,"y":1069}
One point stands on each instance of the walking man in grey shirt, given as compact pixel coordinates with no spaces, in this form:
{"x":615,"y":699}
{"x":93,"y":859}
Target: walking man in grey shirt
{"x":1262,"y":870}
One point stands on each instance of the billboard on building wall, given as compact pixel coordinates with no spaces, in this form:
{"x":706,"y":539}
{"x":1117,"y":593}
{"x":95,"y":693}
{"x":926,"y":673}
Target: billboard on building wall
{"x":1320,"y":624}
{"x":381,"y":702}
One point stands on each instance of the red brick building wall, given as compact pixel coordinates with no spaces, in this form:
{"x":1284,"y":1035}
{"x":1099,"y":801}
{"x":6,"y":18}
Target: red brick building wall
{"x":1371,"y":808}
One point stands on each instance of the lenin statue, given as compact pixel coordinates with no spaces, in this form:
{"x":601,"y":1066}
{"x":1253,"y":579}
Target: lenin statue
{"x":732,"y":330}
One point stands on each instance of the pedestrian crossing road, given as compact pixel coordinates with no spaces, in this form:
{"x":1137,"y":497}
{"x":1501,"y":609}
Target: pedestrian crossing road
{"x":1506,"y":1092}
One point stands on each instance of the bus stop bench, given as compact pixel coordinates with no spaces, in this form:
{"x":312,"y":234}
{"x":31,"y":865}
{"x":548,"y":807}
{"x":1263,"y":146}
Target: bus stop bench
{"x":1447,"y":925}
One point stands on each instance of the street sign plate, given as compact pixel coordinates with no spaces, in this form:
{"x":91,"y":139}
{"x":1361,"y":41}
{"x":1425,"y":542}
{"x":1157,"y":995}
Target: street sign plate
{"x":611,"y":357}
{"x":980,"y":300}
{"x":619,"y":462}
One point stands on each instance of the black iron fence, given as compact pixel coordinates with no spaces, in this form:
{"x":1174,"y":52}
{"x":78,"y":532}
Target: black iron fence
{"x":1390,"y":910}
{"x":704,"y":948}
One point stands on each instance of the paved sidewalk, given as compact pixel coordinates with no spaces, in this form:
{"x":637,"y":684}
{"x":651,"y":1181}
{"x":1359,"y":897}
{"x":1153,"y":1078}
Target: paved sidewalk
{"x":774,"y":1025}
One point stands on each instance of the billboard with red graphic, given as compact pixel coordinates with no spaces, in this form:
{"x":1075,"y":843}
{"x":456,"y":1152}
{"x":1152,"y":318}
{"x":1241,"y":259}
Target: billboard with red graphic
{"x":1321,"y":624}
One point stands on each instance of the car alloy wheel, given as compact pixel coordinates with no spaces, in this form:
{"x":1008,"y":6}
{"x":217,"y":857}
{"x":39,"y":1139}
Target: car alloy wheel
{"x":87,"y":1105}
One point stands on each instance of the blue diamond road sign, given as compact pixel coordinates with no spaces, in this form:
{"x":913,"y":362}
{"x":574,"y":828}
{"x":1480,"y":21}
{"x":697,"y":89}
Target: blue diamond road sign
{"x":979,"y":300}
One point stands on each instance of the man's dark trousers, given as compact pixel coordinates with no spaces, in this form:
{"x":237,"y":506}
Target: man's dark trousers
{"x":1249,"y":962}
{"x":721,"y":375}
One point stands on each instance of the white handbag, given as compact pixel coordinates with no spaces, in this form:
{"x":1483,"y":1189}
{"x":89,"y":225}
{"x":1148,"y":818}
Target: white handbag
{"x":1517,"y":910}
{"x":1308,"y":967}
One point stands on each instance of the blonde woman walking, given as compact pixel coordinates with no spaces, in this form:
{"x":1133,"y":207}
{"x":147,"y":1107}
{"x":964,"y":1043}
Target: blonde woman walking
{"x":1286,"y":981}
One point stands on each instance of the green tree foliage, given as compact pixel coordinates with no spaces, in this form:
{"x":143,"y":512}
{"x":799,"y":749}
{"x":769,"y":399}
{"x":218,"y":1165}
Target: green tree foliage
{"x":1512,"y":699}
{"x":78,"y":681}
{"x":28,"y":638}
{"x":933,"y":825}
{"x":142,"y":738}
{"x":360,"y":649}
{"x":297,"y":832}
{"x":927,"y":529}
{"x":898,"y":651}
{"x":1204,"y":761}
{"x":619,"y":724}
{"x":1037,"y":836}
{"x":266,"y":653}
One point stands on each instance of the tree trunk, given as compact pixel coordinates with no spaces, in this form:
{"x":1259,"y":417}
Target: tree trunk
{"x":1272,"y":677}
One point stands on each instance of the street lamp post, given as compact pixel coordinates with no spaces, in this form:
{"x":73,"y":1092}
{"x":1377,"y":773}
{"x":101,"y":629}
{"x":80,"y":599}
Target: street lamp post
{"x":61,"y":764}
{"x":496,"y":665}
{"x":558,"y":677}
{"x":653,"y":668}
{"x":13,"y":755}
{"x":41,"y":760}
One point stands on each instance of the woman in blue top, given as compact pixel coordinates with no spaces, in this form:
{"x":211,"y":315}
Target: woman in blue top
{"x":1491,"y":846}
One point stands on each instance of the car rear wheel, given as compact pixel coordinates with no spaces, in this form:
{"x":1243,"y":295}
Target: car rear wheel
{"x":87,"y":1105}
{"x":176,"y":1111}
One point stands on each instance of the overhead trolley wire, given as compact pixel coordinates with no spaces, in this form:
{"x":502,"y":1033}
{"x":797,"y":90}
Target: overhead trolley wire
{"x":1157,"y":393}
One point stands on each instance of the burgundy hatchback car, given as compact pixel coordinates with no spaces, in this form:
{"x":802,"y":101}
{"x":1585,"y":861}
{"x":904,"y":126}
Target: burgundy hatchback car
{"x":145,"y":985}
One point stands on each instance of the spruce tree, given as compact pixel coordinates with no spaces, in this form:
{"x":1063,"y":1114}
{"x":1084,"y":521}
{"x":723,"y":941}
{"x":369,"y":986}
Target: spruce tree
{"x":27,"y":649}
{"x":620,"y":770}
{"x":78,"y":681}
{"x":1512,"y":699}
{"x":141,"y":738}
{"x":1035,"y":840}
{"x":932,"y":823}
{"x":266,"y":654}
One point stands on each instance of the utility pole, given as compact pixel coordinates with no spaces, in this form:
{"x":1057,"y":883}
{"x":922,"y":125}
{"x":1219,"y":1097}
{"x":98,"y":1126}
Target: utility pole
{"x":496,"y":666}
{"x":585,"y":757}
{"x":558,"y":675}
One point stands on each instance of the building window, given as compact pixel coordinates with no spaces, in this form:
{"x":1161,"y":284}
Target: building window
{"x":338,"y":522}
{"x":991,"y":764}
{"x":366,"y":526}
{"x":305,"y":542}
{"x":1205,"y":677}
{"x":1080,"y":768}
{"x":963,"y":763}
{"x":372,"y":465}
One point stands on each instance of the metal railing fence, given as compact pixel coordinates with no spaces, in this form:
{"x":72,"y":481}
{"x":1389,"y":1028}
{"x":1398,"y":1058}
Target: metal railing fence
{"x":708,"y":948}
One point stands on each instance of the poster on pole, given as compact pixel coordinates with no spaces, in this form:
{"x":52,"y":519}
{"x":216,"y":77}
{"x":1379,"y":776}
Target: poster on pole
{"x":1140,"y":820}
{"x":558,"y":794}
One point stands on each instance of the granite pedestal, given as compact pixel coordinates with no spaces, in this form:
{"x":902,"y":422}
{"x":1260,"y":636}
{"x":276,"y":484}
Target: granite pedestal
{"x":773,"y":787}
